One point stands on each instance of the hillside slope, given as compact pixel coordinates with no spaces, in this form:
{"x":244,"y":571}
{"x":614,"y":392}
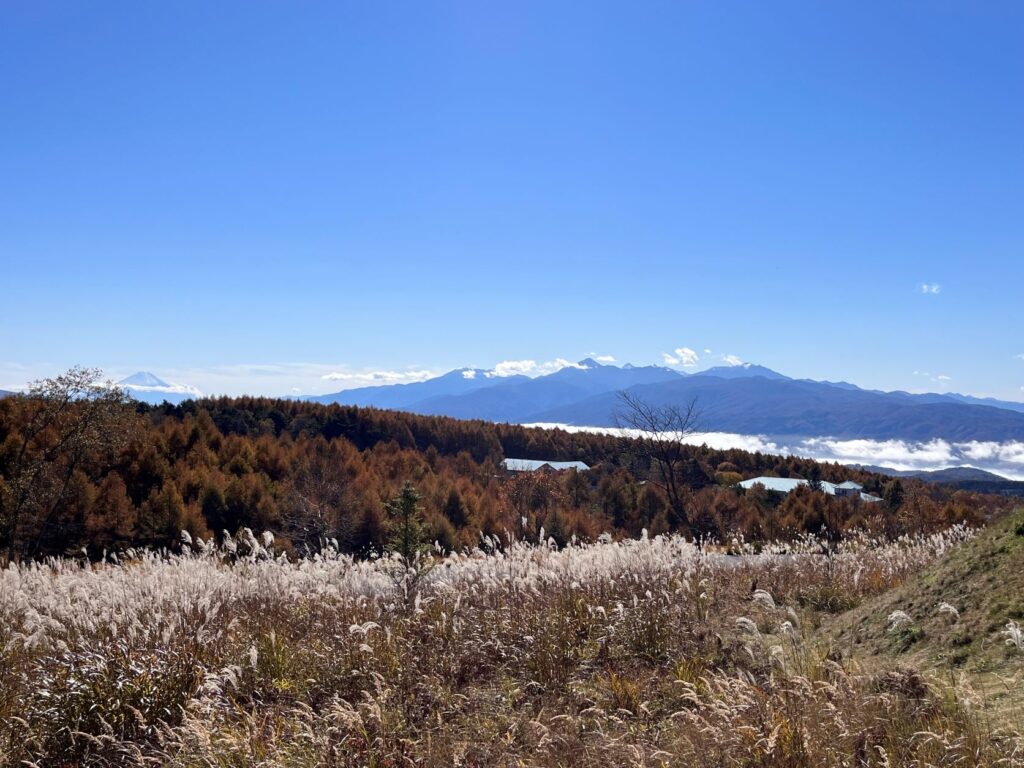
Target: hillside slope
{"x":984,"y":581}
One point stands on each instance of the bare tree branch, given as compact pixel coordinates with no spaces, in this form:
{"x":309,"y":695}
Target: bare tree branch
{"x":661,"y":432}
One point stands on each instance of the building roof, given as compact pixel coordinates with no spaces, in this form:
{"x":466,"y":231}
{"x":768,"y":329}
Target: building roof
{"x":532,"y":465}
{"x":788,"y":484}
{"x":777,"y":484}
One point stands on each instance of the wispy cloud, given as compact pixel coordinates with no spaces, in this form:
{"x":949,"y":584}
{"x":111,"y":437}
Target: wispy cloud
{"x":378,"y":377}
{"x":270,"y":379}
{"x":603,"y":359}
{"x":940,"y":378}
{"x":15,"y":377}
{"x":683,"y":356}
{"x":278,"y":378}
{"x":931,"y":288}
{"x":731,"y":360}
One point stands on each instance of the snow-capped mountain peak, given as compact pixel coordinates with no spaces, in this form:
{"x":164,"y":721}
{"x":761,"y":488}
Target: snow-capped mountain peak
{"x":150,"y":388}
{"x":143,"y":379}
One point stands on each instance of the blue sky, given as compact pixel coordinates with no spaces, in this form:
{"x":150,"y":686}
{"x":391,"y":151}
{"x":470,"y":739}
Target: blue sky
{"x":251,"y":196}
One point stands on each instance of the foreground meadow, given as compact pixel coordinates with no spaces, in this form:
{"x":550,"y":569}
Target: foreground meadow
{"x":639,"y":652}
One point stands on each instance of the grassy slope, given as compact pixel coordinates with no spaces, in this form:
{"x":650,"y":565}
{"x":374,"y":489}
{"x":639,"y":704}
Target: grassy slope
{"x":984,"y":581}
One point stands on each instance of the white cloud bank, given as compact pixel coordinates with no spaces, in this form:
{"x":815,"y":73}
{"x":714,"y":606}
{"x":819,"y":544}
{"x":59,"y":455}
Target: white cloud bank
{"x":1006,"y":459}
{"x":530,"y":368}
{"x":164,"y":389}
{"x":897,"y":454}
{"x":731,"y":360}
{"x":718,"y":440}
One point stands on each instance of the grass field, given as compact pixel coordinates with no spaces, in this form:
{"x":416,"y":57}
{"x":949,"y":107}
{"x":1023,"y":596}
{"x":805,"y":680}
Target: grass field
{"x":645,"y":653}
{"x":980,"y":588}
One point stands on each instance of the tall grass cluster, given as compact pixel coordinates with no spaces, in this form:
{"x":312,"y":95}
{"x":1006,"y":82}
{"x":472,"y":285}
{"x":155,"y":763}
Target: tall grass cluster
{"x":639,"y":652}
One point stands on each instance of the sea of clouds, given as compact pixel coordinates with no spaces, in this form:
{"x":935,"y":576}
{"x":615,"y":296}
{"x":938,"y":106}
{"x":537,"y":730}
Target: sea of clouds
{"x":1006,"y":459}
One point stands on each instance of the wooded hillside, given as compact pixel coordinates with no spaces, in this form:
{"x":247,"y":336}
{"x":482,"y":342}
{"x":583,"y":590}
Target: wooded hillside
{"x":313,"y":473}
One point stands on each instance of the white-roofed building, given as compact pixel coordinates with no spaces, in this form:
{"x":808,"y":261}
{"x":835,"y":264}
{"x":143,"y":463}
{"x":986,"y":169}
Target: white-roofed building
{"x":786,"y":485}
{"x":535,"y":465}
{"x":849,"y":488}
{"x":776,"y":484}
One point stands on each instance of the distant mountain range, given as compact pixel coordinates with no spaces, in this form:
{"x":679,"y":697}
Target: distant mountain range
{"x":967,"y":478}
{"x":744,"y":399}
{"x":949,"y":475}
{"x":455,"y":383}
{"x":150,"y":388}
{"x":477,"y":394}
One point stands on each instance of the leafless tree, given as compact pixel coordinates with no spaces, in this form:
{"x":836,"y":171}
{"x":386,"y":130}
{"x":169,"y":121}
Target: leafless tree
{"x":661,"y":432}
{"x":65,"y":422}
{"x":320,"y":503}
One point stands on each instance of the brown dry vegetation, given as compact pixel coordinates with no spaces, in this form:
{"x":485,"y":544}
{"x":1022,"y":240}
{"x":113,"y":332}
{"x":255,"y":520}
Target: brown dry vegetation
{"x":529,"y":637}
{"x":646,"y":652}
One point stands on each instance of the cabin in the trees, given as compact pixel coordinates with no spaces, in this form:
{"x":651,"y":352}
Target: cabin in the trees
{"x":849,"y":488}
{"x":785,"y":485}
{"x":536,"y":465}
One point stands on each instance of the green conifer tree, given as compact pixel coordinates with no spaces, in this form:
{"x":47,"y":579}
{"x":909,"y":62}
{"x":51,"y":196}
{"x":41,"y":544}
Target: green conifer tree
{"x":408,"y":535}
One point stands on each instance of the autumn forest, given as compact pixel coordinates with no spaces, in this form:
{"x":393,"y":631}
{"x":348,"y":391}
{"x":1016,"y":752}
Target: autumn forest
{"x":103,"y":473}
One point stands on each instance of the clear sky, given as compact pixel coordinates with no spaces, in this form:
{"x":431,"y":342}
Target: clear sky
{"x":250,"y":196}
